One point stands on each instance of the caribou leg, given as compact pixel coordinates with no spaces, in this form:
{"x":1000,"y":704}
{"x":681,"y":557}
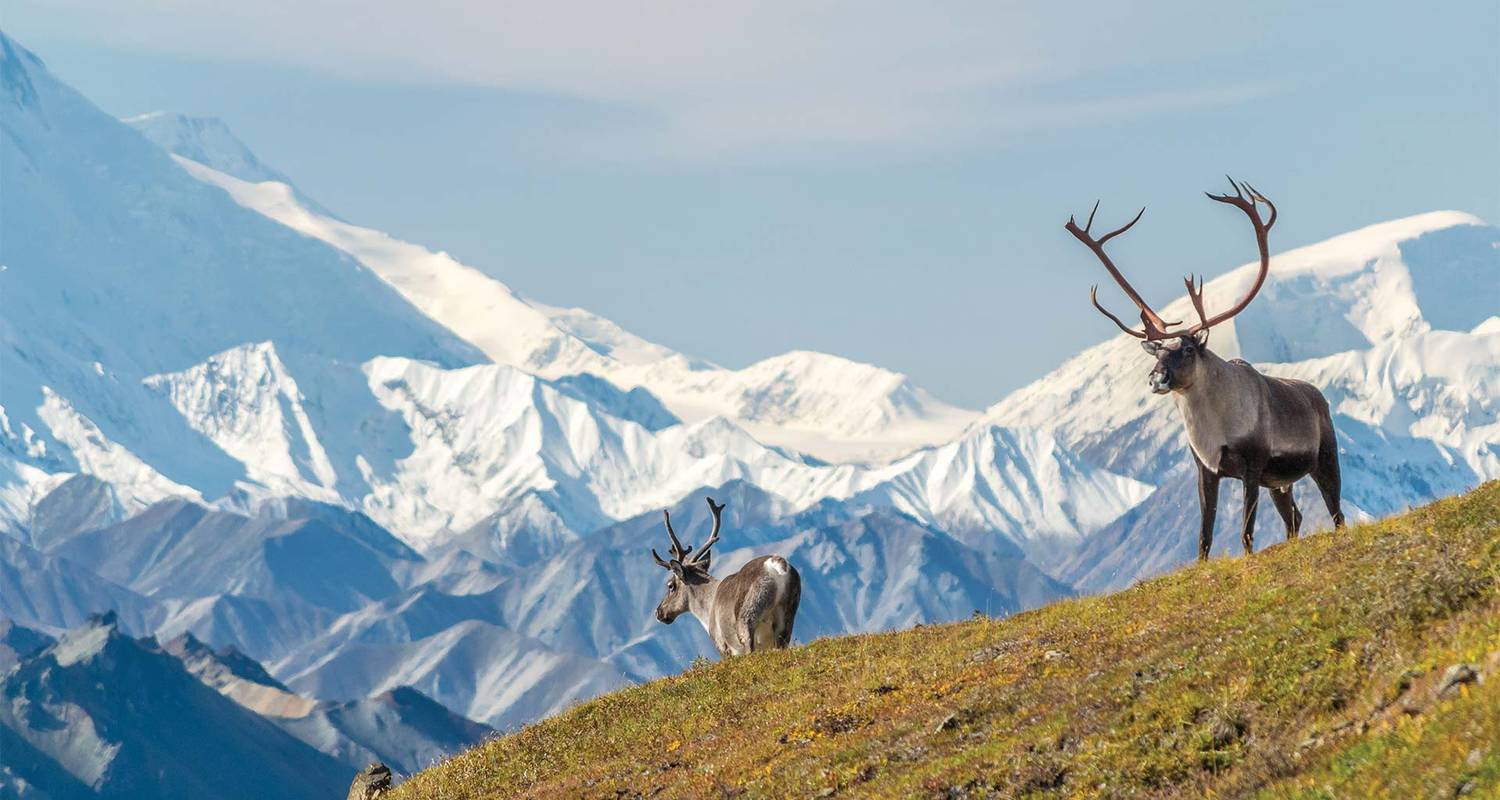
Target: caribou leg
{"x":789,"y":617}
{"x":1208,"y":505}
{"x":1326,"y":476}
{"x":1286,"y":505}
{"x":1252,"y":502}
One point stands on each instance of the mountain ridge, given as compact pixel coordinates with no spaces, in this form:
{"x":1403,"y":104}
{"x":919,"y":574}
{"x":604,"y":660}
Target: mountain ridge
{"x":552,"y":342}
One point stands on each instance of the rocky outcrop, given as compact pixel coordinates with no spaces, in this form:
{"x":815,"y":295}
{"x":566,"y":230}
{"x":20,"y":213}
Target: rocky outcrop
{"x":371,"y":782}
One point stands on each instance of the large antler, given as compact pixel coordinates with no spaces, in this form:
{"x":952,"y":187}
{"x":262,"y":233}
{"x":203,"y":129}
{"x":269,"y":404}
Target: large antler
{"x":1155,"y":326}
{"x":685,"y":555}
{"x":717,"y":509}
{"x":1245,"y":198}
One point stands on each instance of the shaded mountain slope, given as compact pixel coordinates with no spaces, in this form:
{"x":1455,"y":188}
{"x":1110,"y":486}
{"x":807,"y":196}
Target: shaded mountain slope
{"x":122,"y":717}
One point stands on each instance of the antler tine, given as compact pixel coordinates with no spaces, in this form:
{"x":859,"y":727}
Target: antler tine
{"x":1238,"y":188}
{"x":1154,"y":326}
{"x":1195,"y":294}
{"x":678,"y":551}
{"x":1117,"y":231}
{"x":1094,"y":298}
{"x":1237,"y":200}
{"x":1255,"y":193}
{"x":717,"y":509}
{"x":662,"y":562}
{"x":1088,"y":226}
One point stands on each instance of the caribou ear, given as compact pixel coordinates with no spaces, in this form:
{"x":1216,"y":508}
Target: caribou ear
{"x":1151,"y":346}
{"x":1201,"y":337}
{"x":676,"y":567}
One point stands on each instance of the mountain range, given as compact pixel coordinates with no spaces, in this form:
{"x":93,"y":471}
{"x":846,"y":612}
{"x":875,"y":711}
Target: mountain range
{"x":264,"y":435}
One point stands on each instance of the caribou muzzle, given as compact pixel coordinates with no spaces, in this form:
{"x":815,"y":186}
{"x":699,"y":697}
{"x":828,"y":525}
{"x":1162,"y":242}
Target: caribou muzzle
{"x":1159,"y":381}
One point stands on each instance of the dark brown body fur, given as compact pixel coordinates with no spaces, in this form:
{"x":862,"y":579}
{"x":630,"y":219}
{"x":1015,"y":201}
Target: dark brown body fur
{"x":1264,"y":431}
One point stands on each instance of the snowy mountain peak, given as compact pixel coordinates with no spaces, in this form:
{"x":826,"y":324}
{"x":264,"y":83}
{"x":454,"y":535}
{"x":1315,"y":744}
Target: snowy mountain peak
{"x":246,"y":402}
{"x":810,"y":372}
{"x":828,"y":407}
{"x":1361,"y":288}
{"x":835,"y":393}
{"x":803,"y":362}
{"x":206,"y":140}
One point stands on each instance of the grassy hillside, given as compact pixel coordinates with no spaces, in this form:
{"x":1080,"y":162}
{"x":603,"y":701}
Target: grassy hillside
{"x":1311,"y":670}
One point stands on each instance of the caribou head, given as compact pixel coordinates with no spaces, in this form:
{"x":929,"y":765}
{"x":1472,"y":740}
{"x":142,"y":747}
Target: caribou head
{"x":689,"y":569}
{"x":1177,"y":351}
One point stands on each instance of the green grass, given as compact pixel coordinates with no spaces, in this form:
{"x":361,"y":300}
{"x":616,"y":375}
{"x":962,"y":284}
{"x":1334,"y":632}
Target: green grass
{"x":1307,"y":671}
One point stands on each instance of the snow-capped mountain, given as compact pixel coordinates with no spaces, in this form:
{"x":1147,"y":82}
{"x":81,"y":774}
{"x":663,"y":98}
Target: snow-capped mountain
{"x":118,"y":266}
{"x":826,"y":406}
{"x":350,"y":389}
{"x":486,"y":434}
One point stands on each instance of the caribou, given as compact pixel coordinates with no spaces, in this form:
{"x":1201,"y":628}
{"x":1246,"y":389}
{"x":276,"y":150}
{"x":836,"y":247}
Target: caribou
{"x":753,"y":609}
{"x":1267,"y":432}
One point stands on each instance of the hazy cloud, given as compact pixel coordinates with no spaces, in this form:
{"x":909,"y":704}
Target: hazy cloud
{"x":704,"y":79}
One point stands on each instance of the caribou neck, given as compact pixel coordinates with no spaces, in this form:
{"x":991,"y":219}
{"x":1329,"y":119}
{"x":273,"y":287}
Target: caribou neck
{"x":701,"y":597}
{"x":1211,"y":407}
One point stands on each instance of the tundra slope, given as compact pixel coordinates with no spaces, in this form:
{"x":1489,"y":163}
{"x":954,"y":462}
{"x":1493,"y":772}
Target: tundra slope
{"x":1323,"y":667}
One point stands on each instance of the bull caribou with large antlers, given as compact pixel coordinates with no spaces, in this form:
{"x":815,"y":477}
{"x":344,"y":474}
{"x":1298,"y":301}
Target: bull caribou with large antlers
{"x":1240,"y":424}
{"x":753,"y":609}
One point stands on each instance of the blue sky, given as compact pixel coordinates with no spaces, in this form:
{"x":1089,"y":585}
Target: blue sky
{"x":883,"y":181}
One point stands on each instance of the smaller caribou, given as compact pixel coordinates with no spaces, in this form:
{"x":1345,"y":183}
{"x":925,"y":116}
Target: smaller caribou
{"x":753,"y":609}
